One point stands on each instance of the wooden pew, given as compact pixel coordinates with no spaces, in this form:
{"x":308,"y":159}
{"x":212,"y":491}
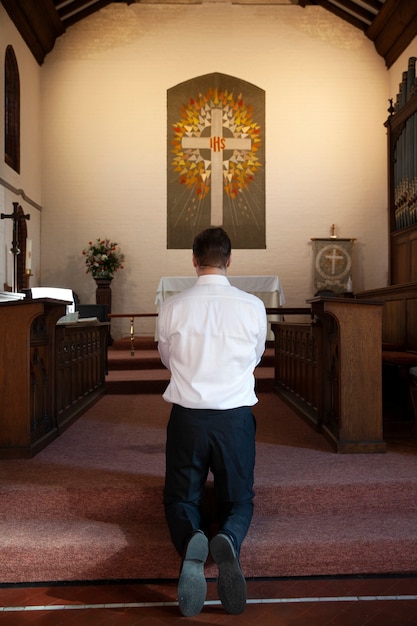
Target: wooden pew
{"x":399,"y":315}
{"x":399,"y":343}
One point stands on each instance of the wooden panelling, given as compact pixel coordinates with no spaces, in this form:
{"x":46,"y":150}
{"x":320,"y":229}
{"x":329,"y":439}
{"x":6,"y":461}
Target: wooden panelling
{"x":413,"y":258}
{"x":80,"y":357}
{"x":399,"y":315}
{"x":393,"y":322}
{"x":411,"y":331}
{"x":297,"y":358}
{"x":400,"y":259}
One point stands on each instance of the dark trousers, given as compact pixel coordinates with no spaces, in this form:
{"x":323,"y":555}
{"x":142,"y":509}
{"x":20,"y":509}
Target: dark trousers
{"x":200,"y":440}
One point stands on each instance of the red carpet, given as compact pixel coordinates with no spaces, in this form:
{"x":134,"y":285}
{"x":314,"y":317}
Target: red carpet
{"x":144,"y":373}
{"x":90,"y":505}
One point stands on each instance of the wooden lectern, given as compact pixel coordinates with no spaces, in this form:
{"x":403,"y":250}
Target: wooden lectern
{"x":351,"y":373}
{"x":27,"y":378}
{"x":49,"y":373}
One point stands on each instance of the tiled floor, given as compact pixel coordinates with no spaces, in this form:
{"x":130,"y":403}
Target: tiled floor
{"x":345,"y":601}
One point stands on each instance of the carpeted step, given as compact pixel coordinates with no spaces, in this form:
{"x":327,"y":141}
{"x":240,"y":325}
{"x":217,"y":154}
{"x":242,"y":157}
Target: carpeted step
{"x":121,"y":382}
{"x":136,"y":545}
{"x":119,"y":359}
{"x":356,"y":543}
{"x":140,"y":343}
{"x":295,"y":502}
{"x":156,"y":381}
{"x":89,"y":506}
{"x":141,"y":360}
{"x":143,"y":372}
{"x":148,"y":343}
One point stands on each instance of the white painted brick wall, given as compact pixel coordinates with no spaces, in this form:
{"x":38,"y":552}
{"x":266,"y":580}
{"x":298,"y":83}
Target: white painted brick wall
{"x":103,"y":103}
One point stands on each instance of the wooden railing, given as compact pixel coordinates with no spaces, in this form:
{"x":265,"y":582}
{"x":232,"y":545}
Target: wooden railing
{"x":280,"y":311}
{"x":285,"y":310}
{"x":297,"y":359}
{"x":80,"y":363}
{"x":132,"y":317}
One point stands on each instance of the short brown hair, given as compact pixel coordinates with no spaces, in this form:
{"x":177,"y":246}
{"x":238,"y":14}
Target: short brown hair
{"x":212,"y":247}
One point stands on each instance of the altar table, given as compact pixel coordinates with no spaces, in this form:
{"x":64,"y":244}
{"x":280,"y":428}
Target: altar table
{"x":267,"y":288}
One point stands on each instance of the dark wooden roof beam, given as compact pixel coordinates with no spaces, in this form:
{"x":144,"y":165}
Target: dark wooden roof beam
{"x":356,"y":10}
{"x":38,"y":26}
{"x":390,"y":24}
{"x":76,"y":10}
{"x":371,"y":5}
{"x":345,"y":15}
{"x":394,"y":28}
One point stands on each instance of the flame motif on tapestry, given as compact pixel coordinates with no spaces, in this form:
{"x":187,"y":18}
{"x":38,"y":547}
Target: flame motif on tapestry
{"x":216,"y":160}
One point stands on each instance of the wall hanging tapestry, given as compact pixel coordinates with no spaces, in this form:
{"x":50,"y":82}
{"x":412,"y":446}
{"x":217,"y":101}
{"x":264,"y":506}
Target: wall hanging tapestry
{"x":333,"y":264}
{"x":216,"y":160}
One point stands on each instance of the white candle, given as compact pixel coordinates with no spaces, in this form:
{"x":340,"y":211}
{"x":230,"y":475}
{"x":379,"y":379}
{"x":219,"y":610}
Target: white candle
{"x":28,"y":255}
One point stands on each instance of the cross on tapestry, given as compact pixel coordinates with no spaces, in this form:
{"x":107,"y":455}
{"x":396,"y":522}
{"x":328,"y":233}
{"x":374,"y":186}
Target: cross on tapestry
{"x":216,"y":160}
{"x":332,"y":263}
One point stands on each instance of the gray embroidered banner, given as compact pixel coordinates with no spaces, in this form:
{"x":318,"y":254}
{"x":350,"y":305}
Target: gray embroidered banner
{"x":332,"y":264}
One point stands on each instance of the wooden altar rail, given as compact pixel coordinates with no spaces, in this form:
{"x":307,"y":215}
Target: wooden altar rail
{"x":285,"y":310}
{"x":269,"y":311}
{"x":132,"y":317}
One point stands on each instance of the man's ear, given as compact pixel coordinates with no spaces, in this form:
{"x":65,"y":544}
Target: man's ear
{"x":195,"y":264}
{"x":229,"y":260}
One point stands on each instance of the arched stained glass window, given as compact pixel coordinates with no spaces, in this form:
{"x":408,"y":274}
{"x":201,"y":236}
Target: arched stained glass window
{"x":11,"y":110}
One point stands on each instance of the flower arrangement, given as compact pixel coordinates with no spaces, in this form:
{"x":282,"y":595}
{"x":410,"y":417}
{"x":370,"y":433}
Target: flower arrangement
{"x":103,"y":258}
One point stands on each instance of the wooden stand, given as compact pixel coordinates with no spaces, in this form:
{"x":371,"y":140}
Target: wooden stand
{"x":27,"y":376}
{"x":329,"y":371}
{"x":351,"y":373}
{"x":103,"y":297}
{"x":49,"y":374}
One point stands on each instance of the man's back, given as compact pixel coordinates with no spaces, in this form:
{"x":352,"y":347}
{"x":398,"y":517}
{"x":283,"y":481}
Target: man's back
{"x":211,"y":337}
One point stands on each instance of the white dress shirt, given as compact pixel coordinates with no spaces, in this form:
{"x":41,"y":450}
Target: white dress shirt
{"x":211,"y":337}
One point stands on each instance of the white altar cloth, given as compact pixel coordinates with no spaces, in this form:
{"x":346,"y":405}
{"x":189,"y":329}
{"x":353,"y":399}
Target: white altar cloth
{"x":267,"y":288}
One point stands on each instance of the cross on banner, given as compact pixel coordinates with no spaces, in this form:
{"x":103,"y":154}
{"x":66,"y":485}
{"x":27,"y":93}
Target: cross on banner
{"x":333,"y":256}
{"x":217,"y":143}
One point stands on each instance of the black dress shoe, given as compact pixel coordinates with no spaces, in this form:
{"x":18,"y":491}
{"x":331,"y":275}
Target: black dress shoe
{"x":231,"y":585}
{"x":192,"y":585}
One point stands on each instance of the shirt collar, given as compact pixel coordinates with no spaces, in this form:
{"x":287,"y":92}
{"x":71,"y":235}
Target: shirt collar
{"x":217,"y":279}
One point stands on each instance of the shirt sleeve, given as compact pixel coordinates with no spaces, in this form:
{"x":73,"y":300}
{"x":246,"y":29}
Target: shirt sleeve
{"x":163,"y":345}
{"x":263,"y":325}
